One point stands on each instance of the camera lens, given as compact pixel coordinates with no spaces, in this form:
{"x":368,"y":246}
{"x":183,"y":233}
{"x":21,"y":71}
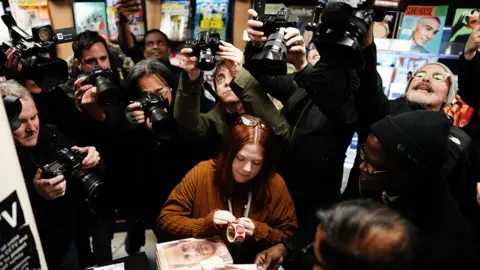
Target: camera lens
{"x":92,"y":186}
{"x":107,"y":92}
{"x":164,"y":125}
{"x":272,"y":58}
{"x":206,"y":60}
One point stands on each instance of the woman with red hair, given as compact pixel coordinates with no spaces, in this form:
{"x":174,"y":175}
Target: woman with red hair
{"x":240,"y":185}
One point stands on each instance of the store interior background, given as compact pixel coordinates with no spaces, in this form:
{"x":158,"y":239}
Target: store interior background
{"x":62,"y":16}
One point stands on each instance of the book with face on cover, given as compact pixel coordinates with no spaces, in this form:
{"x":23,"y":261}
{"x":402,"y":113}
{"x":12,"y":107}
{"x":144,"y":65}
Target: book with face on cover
{"x":192,"y":254}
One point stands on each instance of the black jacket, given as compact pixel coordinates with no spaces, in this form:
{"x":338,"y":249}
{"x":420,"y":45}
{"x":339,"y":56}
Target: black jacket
{"x":57,"y":109}
{"x":322,"y":103}
{"x":446,"y":240}
{"x":55,"y":219}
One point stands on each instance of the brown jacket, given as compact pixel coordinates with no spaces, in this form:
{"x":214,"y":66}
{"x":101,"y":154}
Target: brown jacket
{"x":189,"y":210}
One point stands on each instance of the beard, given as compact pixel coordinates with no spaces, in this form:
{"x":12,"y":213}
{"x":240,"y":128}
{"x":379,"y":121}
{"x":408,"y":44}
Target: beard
{"x":421,"y":98}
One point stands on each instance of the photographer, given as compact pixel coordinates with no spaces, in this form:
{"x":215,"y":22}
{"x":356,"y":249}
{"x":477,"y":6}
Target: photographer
{"x":54,"y":200}
{"x":238,"y":92}
{"x":104,"y":113}
{"x":322,"y":103}
{"x":161,"y":160}
{"x":157,"y":44}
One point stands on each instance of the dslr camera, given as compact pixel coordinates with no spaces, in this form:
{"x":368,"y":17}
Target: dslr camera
{"x":154,"y":106}
{"x":69,"y":164}
{"x":273,"y":57}
{"x":107,"y":92}
{"x":205,"y":48}
{"x":344,"y":25}
{"x":37,"y":53}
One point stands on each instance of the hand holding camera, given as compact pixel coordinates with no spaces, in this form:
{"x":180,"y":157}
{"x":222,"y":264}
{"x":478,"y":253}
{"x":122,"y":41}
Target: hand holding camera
{"x":190,"y":64}
{"x":126,"y":8}
{"x":49,"y":188}
{"x":92,"y":157}
{"x":473,"y":43}
{"x":86,"y":96}
{"x":233,"y":57}
{"x":134,"y":114}
{"x":297,"y":53}
{"x":257,"y":37}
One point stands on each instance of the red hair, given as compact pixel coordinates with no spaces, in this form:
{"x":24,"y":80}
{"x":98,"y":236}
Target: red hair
{"x":239,"y":135}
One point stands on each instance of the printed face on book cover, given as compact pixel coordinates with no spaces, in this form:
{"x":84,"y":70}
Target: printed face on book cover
{"x":190,"y":252}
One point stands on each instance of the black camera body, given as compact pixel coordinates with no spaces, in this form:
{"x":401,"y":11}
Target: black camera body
{"x":13,"y":107}
{"x":205,"y":48}
{"x":163,"y":123}
{"x":272,"y":60}
{"x":343,"y":29}
{"x":37,"y":53}
{"x":69,"y":164}
{"x":107,"y":91}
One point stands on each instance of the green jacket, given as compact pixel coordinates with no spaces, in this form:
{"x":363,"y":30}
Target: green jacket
{"x":213,"y":124}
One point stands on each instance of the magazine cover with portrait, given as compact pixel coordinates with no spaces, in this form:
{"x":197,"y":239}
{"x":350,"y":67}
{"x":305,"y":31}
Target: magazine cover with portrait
{"x":91,"y":16}
{"x":191,"y":253}
{"x":423,"y":26}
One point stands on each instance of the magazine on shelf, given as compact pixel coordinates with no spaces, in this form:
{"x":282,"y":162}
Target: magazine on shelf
{"x":422,"y":28}
{"x":388,"y":28}
{"x":175,"y":19}
{"x":192,"y":254}
{"x":462,"y":26}
{"x":91,"y":16}
{"x":212,"y":16}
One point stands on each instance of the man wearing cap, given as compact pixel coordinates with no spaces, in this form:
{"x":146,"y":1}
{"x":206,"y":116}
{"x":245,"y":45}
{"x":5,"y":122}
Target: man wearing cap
{"x":403,"y":159}
{"x":432,"y":87}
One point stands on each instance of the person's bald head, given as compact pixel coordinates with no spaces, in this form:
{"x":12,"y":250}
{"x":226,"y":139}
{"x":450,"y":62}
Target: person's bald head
{"x":425,"y":30}
{"x":362,"y":234}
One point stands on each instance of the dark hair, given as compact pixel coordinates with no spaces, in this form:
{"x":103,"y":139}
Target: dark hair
{"x":146,"y":67}
{"x":237,"y":137}
{"x":347,"y":230}
{"x":85,"y":41}
{"x":167,"y":40}
{"x":219,"y":66}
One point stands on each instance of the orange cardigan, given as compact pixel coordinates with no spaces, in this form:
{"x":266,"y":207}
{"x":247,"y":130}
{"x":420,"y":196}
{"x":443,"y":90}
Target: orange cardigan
{"x":189,"y":210}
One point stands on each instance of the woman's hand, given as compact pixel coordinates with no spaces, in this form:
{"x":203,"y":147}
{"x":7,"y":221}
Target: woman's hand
{"x":222,"y":217}
{"x":248,"y":224}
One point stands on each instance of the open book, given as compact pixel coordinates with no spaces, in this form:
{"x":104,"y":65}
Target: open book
{"x":191,"y":254}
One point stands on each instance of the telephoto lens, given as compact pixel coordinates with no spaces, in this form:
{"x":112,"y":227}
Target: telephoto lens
{"x":273,"y":57}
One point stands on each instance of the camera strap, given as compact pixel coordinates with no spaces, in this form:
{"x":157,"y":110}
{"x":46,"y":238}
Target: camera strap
{"x":246,"y":208}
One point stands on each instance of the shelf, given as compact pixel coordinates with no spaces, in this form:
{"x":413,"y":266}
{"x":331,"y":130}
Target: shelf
{"x":402,"y":47}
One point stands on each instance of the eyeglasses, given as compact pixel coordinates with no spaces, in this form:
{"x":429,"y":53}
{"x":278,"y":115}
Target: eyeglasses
{"x":251,"y":122}
{"x":370,"y":169}
{"x":436,"y":76}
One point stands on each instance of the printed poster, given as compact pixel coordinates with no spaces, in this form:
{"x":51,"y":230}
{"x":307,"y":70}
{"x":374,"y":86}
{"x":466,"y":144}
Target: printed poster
{"x":91,"y":16}
{"x":387,"y":28}
{"x":17,"y":245}
{"x":212,"y":16}
{"x":175,"y":19}
{"x":30,"y":13}
{"x":137,"y":25}
{"x":423,"y":26}
{"x":463,"y":24}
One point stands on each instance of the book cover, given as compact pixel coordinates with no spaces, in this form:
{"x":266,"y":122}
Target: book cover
{"x":463,"y":24}
{"x":212,"y":16}
{"x":175,"y":19}
{"x":91,"y":16}
{"x":191,"y":253}
{"x":236,"y":267}
{"x":423,"y":26}
{"x":388,"y":28}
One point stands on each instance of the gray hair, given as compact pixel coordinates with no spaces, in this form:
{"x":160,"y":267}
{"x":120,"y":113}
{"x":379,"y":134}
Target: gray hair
{"x":14,"y":88}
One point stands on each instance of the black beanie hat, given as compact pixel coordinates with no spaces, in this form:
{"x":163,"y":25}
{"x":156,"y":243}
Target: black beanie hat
{"x":417,"y":139}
